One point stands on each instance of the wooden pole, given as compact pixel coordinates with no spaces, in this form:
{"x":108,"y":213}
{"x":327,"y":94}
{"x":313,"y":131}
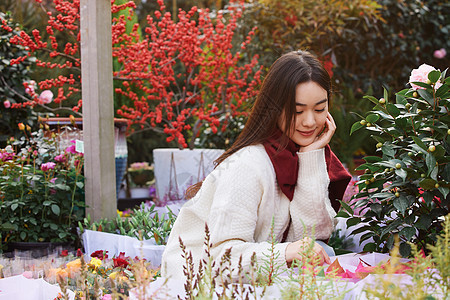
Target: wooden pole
{"x":98,"y":108}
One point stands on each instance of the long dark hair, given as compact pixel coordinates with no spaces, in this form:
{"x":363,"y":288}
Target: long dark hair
{"x":277,"y":95}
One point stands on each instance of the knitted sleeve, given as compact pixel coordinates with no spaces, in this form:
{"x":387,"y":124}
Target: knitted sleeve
{"x":234,"y":214}
{"x":311,"y":210}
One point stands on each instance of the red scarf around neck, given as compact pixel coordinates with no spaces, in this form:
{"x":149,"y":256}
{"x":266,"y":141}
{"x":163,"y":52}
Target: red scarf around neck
{"x":285,"y":163}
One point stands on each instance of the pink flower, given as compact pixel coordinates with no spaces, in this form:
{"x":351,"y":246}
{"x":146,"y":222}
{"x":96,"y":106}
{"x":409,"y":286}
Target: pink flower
{"x":27,"y":274}
{"x":46,"y":97}
{"x":421,"y":75}
{"x":30,"y":87}
{"x":107,"y":297}
{"x":71,"y":149}
{"x":48,"y":166}
{"x":7,"y":104}
{"x":440,"y":54}
{"x":53,"y":180}
{"x":60,"y":158}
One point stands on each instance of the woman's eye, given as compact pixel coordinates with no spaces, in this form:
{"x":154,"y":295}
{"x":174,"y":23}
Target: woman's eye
{"x":320,"y":110}
{"x":299,"y":112}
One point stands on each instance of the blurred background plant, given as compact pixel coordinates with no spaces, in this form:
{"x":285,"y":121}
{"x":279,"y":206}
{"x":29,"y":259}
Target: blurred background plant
{"x":41,"y":190}
{"x":405,"y":189}
{"x":11,"y":81}
{"x":141,"y":173}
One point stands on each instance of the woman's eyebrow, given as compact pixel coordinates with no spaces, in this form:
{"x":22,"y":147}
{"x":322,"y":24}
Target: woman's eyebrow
{"x":320,"y":102}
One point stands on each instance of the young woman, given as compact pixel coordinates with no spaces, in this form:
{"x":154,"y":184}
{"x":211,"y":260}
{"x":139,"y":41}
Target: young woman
{"x":280,"y":173}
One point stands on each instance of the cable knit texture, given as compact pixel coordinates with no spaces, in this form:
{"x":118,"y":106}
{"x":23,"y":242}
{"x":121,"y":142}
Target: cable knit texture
{"x":239,"y":200}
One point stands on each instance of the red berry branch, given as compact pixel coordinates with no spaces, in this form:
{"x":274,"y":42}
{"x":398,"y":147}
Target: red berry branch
{"x":177,"y":75}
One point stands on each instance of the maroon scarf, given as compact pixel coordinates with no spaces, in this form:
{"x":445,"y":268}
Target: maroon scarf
{"x":285,"y":163}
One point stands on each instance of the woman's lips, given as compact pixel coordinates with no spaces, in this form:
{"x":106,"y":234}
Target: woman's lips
{"x":307,"y":133}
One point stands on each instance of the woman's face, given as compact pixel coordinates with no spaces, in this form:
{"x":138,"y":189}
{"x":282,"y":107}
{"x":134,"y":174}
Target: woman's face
{"x":311,"y":102}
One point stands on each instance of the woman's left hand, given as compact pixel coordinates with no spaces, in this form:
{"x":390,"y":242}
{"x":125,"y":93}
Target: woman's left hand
{"x":324,"y":138}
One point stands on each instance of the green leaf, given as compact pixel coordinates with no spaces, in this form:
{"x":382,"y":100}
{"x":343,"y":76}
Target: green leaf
{"x":356,"y":126}
{"x":405,"y":249}
{"x":55,"y":209}
{"x":422,"y":84}
{"x":419,"y":142}
{"x":353,"y":221}
{"x":346,"y":207}
{"x":408,"y":232}
{"x":401,"y":173}
{"x":393,"y":110}
{"x":388,"y":151}
{"x":372,"y":118}
{"x":342,"y":214}
{"x":53,"y":226}
{"x":401,"y":204}
{"x":23,"y":235}
{"x":431,"y":162}
{"x":427,"y":184}
{"x":369,"y":247}
{"x":427,"y":96}
{"x":434,"y":76}
{"x":8,"y":226}
{"x":47,"y":203}
{"x":372,"y":99}
{"x":423,"y":222}
{"x":14,"y":206}
{"x":372,"y":159}
{"x":442,"y":90}
{"x":444,"y":191}
{"x":390,"y":241}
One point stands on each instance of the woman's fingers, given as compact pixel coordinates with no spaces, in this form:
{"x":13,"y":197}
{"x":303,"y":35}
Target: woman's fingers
{"x":294,"y":250}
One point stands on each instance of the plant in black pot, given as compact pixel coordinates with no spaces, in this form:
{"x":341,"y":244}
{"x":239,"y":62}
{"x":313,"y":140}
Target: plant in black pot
{"x":405,"y":189}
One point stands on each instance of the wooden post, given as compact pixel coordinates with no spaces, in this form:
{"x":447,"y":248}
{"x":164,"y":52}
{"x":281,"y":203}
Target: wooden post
{"x":98,"y":108}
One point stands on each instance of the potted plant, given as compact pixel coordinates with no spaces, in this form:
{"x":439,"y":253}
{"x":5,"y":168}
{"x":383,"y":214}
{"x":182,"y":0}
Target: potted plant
{"x":41,"y":190}
{"x":143,"y":232}
{"x":405,"y":190}
{"x":141,"y":174}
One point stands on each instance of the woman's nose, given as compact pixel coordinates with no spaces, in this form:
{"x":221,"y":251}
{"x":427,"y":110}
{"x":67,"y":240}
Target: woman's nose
{"x":308,"y":119}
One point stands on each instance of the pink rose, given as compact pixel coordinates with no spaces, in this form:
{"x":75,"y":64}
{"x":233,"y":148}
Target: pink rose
{"x":440,"y":54}
{"x":60,"y":158}
{"x":421,"y":75}
{"x":46,"y":97}
{"x":48,"y":166}
{"x":7,"y":104}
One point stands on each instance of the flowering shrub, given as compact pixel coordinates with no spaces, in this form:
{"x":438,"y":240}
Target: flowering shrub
{"x":41,"y":190}
{"x":177,"y":77}
{"x":11,"y":79}
{"x":405,"y":190}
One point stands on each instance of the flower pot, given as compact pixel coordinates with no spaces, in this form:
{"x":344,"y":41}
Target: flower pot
{"x":115,"y":243}
{"x":140,"y":192}
{"x":175,"y":170}
{"x":34,"y":249}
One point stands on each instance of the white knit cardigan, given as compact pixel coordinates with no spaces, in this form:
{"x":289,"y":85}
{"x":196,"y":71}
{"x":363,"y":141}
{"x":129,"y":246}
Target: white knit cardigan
{"x":240,"y":199}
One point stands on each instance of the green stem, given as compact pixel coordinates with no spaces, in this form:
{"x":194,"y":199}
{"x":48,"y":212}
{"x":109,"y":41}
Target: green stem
{"x":73,"y":197}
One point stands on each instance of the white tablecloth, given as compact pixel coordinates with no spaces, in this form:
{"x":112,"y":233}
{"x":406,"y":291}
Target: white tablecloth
{"x":21,"y":288}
